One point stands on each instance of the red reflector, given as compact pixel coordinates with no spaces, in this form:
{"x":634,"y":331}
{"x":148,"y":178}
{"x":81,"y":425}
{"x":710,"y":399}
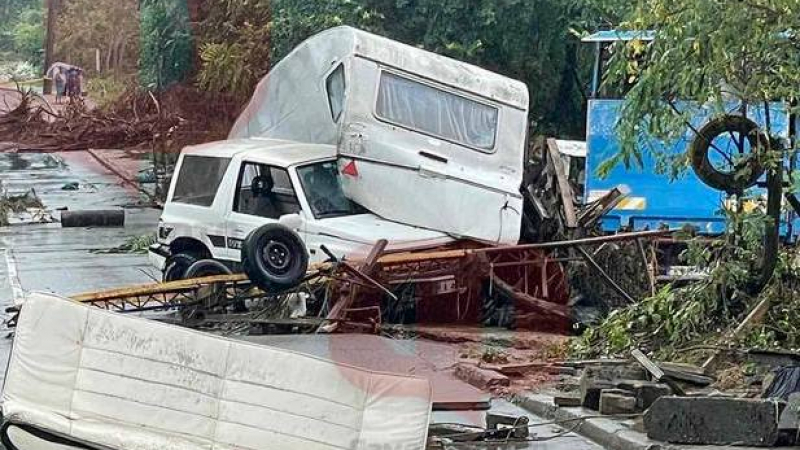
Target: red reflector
{"x":350,"y":169}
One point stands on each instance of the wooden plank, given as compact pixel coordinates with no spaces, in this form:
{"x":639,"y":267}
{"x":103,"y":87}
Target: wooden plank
{"x":157,"y":288}
{"x":656,"y":371}
{"x":367,"y":268}
{"x":564,"y":188}
{"x":546,"y":310}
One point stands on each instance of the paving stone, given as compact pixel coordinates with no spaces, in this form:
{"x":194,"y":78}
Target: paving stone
{"x":714,"y":421}
{"x":567,"y":401}
{"x":616,"y":372}
{"x":590,"y":389}
{"x":617,"y":401}
{"x":481,"y":378}
{"x":790,"y":418}
{"x":646,"y":392}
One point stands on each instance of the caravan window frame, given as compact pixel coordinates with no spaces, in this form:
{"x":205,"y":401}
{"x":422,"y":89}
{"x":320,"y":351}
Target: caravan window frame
{"x":328,"y":76}
{"x":445,"y":89}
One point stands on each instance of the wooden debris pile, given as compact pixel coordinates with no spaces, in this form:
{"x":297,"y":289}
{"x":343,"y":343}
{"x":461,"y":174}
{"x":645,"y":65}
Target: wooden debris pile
{"x":36,"y":127}
{"x":177,"y":117}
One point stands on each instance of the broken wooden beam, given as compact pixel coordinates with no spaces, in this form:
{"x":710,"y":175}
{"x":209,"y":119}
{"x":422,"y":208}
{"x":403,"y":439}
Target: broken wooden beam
{"x":656,"y":371}
{"x":364,"y":271}
{"x":546,"y":310}
{"x":564,"y":188}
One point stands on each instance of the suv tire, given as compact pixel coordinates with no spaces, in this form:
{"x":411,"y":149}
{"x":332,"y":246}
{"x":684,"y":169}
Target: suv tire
{"x":207,"y":268}
{"x":177,"y":265}
{"x":274,"y":257}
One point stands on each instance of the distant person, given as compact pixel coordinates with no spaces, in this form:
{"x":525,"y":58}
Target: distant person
{"x":60,"y":80}
{"x":74,"y":76}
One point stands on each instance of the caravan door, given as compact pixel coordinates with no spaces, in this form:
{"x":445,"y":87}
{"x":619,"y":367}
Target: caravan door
{"x":429,"y":155}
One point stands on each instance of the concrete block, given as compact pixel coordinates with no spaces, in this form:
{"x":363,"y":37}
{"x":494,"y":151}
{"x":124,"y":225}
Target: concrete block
{"x":616,"y":372}
{"x":567,"y":401}
{"x":714,"y":421}
{"x":790,"y":418}
{"x":481,"y":378}
{"x":590,"y":389}
{"x":646,"y":392}
{"x":617,"y":401}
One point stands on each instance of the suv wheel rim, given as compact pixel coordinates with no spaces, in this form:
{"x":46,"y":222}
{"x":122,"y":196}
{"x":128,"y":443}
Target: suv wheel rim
{"x":277,"y":256}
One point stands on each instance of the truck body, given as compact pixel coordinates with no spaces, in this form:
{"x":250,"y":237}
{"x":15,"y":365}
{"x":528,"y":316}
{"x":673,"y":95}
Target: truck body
{"x":421,"y":139}
{"x":656,"y":199}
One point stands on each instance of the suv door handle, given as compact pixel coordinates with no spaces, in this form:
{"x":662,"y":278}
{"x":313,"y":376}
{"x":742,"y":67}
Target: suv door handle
{"x":239,"y":230}
{"x":433,"y":156}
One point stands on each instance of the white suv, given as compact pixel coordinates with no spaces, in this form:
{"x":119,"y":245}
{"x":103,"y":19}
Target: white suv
{"x":223,"y":192}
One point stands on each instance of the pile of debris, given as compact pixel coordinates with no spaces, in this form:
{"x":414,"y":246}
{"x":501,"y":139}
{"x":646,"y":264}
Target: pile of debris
{"x":177,"y":117}
{"x":682,"y":404}
{"x":20,"y":203}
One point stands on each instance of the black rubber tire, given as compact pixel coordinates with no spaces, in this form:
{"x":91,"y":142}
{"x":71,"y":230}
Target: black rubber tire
{"x":207,"y":268}
{"x":737,"y":180}
{"x":290,"y":259}
{"x":177,"y":265}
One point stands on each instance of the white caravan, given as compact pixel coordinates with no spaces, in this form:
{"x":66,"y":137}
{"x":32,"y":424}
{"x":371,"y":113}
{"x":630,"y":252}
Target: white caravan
{"x":422,"y":139}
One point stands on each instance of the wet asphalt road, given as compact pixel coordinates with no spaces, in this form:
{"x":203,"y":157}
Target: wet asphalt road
{"x":45,"y":257}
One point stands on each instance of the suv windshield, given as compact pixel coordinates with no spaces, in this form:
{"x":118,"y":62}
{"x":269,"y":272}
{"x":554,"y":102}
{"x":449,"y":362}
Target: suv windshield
{"x":324,"y":191}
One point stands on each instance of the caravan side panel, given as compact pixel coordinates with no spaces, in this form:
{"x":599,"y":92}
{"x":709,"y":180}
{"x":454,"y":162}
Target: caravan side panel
{"x":432,"y":156}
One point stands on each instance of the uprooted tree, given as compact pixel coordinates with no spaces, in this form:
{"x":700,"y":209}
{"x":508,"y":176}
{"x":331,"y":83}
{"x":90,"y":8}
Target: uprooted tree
{"x":727,"y":59}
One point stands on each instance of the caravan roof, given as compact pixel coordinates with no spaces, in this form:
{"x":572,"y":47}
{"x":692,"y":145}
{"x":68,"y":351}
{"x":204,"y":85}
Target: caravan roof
{"x":336,"y":43}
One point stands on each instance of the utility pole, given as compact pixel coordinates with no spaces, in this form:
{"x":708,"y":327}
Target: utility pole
{"x":49,"y":42}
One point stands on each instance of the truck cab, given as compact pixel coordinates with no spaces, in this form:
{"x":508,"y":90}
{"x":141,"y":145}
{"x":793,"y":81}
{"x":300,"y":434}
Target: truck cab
{"x":223,"y":191}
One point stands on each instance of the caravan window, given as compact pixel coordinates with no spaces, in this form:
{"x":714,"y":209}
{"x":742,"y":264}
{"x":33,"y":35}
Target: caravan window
{"x":424,"y":108}
{"x":335,"y":87}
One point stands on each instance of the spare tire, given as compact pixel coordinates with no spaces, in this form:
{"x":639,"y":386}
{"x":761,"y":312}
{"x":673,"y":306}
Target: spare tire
{"x":207,"y":268}
{"x":745,"y":173}
{"x":274,"y":257}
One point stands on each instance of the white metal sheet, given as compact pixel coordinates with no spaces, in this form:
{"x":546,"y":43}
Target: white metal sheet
{"x":127,"y":383}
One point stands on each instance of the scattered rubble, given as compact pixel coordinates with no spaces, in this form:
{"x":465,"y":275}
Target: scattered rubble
{"x":18,"y":203}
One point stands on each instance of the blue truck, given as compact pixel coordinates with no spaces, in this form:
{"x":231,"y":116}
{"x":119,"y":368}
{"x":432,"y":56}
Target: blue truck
{"x":655,"y":199}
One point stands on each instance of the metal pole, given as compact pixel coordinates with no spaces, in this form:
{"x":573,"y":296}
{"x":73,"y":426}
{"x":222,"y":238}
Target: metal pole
{"x":577,"y":242}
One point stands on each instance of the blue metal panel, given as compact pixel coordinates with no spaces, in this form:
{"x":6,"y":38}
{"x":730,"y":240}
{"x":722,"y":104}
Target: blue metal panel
{"x":654,"y":199}
{"x":620,"y":35}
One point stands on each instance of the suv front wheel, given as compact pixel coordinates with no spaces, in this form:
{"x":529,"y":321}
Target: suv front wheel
{"x":274,"y":257}
{"x":177,"y":265}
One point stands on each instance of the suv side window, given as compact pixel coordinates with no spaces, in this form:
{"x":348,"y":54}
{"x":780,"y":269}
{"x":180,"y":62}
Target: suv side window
{"x":264,"y":191}
{"x":199,"y":179}
{"x":335,"y":85}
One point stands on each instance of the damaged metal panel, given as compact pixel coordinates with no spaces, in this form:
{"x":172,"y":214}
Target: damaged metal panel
{"x":119,"y":382}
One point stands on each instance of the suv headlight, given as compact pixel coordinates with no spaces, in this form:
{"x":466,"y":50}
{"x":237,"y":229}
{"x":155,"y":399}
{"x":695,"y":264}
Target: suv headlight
{"x":164,"y":231}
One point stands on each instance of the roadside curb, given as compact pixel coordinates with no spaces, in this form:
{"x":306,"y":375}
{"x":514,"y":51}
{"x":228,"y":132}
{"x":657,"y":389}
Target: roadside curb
{"x":606,"y":432}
